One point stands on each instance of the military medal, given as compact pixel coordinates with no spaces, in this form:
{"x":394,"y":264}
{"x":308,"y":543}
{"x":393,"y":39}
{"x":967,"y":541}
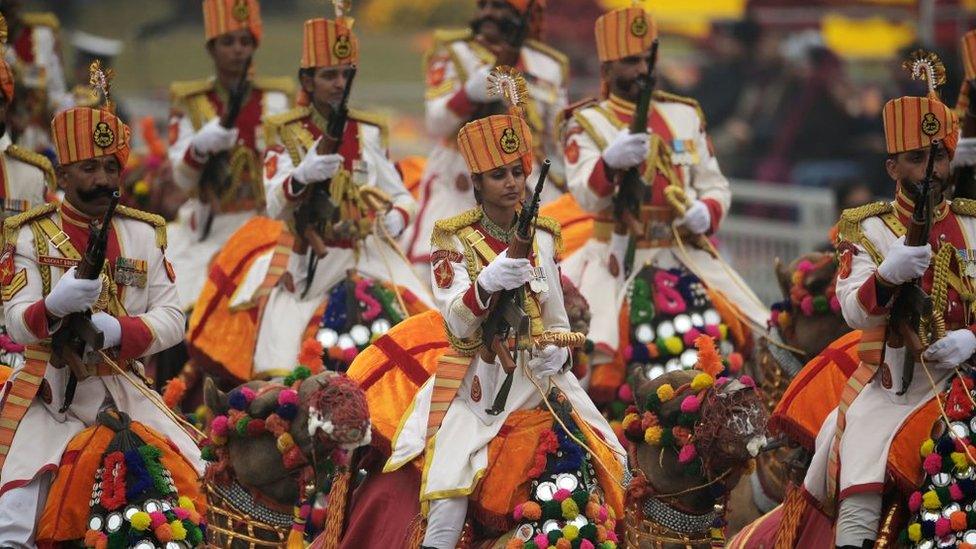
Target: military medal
{"x":131,"y":272}
{"x":538,"y":283}
{"x":967,"y":262}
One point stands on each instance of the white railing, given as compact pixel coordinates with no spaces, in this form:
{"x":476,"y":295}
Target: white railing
{"x":769,"y":221}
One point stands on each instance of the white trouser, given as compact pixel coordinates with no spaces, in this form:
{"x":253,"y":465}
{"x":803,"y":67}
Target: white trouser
{"x":445,"y":520}
{"x":19,"y":510}
{"x":857,"y":519}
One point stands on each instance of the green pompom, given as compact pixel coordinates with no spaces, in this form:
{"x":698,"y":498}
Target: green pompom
{"x":820,"y":304}
{"x":589,"y":532}
{"x":667,"y":439}
{"x":618,"y":409}
{"x":554,"y":536}
{"x":551,"y":510}
{"x":208,"y":453}
{"x":653,"y":402}
{"x":581,"y":497}
{"x":241,"y":426}
{"x":687,"y":420}
{"x":301,"y":372}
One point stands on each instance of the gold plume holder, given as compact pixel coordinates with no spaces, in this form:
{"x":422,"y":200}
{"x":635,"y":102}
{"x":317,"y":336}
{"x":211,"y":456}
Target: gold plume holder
{"x":4,"y":33}
{"x":342,"y":9}
{"x":926,"y":66}
{"x":100,"y":81}
{"x":508,"y":84}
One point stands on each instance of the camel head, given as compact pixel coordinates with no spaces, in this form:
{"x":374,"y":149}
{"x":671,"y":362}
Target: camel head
{"x":809,"y":316}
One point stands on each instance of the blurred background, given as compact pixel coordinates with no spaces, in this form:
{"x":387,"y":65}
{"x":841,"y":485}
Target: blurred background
{"x":792,"y":90}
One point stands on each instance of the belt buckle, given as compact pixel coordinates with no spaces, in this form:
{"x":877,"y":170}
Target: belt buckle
{"x":59,"y":239}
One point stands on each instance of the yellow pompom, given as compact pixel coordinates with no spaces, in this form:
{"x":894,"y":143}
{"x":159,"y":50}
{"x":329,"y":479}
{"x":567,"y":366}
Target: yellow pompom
{"x":930,"y":500}
{"x":665,"y":392}
{"x":653,"y":435}
{"x":927,"y":447}
{"x":570,"y":531}
{"x":674,"y":345}
{"x":702,"y":381}
{"x":915,"y":532}
{"x":285,"y":442}
{"x":218,"y":440}
{"x":723,"y":330}
{"x":179,"y":531}
{"x":140,"y":520}
{"x":797,"y":278}
{"x":141,"y":187}
{"x":628,"y":419}
{"x":569,"y":508}
{"x":959,"y":460}
{"x":187,"y":503}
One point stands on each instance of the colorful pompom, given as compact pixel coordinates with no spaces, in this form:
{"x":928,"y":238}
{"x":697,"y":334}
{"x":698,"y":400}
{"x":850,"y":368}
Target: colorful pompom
{"x":541,"y":541}
{"x":687,"y":453}
{"x":561,"y":494}
{"x":930,"y":500}
{"x":958,"y":521}
{"x":915,"y":531}
{"x":702,"y":381}
{"x":569,"y":509}
{"x":915,"y":501}
{"x":690,"y":404}
{"x":665,"y":392}
{"x":927,"y":447}
{"x":140,"y":520}
{"x":220,"y":426}
{"x":652,"y":435}
{"x":942,"y":527}
{"x":531,"y":510}
{"x":570,"y":532}
{"x":932,"y":464}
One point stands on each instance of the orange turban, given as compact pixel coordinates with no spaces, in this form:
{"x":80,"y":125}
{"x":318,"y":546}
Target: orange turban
{"x":223,"y":16}
{"x":81,"y":133}
{"x":968,"y":53}
{"x":624,"y":32}
{"x":914,"y":122}
{"x":327,"y":43}
{"x":522,"y":5}
{"x":494,"y":141}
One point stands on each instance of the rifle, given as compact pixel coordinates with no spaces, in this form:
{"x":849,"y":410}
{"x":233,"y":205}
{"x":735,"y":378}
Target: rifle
{"x":316,"y":213}
{"x":630,"y":183}
{"x":77,"y":331}
{"x":912,"y":307}
{"x":215,"y":178}
{"x":507,"y":312}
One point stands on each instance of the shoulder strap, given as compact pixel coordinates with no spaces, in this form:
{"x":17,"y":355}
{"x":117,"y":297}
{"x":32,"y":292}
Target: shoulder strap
{"x":58,"y":238}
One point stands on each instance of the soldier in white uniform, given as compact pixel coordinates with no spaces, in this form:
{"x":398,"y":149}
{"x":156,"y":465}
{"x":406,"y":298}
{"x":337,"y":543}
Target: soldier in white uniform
{"x":848,"y":472}
{"x":457,"y":69}
{"x":209,"y":217}
{"x":469,"y":265}
{"x":135,"y":306}
{"x":673,"y":154}
{"x":293,"y":166}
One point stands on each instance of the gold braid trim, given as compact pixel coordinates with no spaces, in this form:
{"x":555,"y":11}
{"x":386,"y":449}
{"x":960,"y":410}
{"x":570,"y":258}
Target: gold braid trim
{"x":37,"y":160}
{"x":963,"y":206}
{"x":41,"y":248}
{"x":849,"y":226}
{"x":551,"y":226}
{"x":283,"y":84}
{"x":559,"y":57}
{"x":666,"y":97}
{"x":444,"y":229}
{"x":590,"y":129}
{"x":12,"y":225}
{"x":156,"y":221}
{"x":940,"y":291}
{"x":561,"y":339}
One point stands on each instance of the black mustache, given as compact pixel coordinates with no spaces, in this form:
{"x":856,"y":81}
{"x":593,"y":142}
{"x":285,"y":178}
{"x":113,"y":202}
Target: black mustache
{"x":506,"y":25}
{"x":97,"y":192}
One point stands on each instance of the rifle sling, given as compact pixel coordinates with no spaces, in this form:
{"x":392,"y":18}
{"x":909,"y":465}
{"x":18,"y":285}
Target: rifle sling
{"x":58,"y":238}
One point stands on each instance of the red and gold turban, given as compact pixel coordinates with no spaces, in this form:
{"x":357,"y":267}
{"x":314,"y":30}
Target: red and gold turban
{"x":327,"y":43}
{"x":495,"y":141}
{"x":522,"y":5}
{"x":624,"y":32}
{"x":223,"y":16}
{"x":81,"y":133}
{"x":914,"y":122}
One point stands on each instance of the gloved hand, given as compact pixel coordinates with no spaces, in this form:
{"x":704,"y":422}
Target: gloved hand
{"x":72,"y":295}
{"x":213,"y":138}
{"x":504,"y":273}
{"x":110,"y":327}
{"x":952,"y":350}
{"x":477,"y":85}
{"x":903,"y":263}
{"x":317,"y":167}
{"x":548,"y":361}
{"x":627,"y":150}
{"x":393,"y":223}
{"x":697,"y":218}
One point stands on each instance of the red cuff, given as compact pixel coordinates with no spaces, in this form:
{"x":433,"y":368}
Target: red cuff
{"x":600,"y":181}
{"x":404,"y":214}
{"x":460,"y":104}
{"x":470,"y":301}
{"x":714,"y":212}
{"x":191,"y":160}
{"x":867,"y":296}
{"x":35,"y":317}
{"x":136,"y":337}
{"x":287,"y":188}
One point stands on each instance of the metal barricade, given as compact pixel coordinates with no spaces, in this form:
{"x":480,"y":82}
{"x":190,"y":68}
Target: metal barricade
{"x":769,"y":221}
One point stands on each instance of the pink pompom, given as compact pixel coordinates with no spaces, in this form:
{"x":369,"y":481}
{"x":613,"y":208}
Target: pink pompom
{"x":181,"y":513}
{"x":942,"y":527}
{"x":932,"y":463}
{"x":603,"y":514}
{"x":716,"y":334}
{"x":736,"y":361}
{"x":955,"y":492}
{"x":219,"y":426}
{"x":834,"y":304}
{"x":586,"y":544}
{"x":915,"y":501}
{"x":157,"y":519}
{"x":248,"y":394}
{"x":721,"y":381}
{"x":628,"y":353}
{"x":625,"y":393}
{"x":748,"y":381}
{"x":288,"y":396}
{"x":348,"y":355}
{"x":961,"y":444}
{"x":541,"y":541}
{"x":561,"y":494}
{"x":517,"y":513}
{"x":804,"y":266}
{"x":690,"y":336}
{"x":690,"y":404}
{"x":612,"y":536}
{"x":687,"y":453}
{"x":806,"y":306}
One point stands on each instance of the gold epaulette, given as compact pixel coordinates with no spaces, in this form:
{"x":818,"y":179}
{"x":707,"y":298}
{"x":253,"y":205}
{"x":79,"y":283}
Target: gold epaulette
{"x":963,"y":206}
{"x":588,"y":127}
{"x":284,"y":118}
{"x":444,"y":229}
{"x":37,"y":160}
{"x":373,"y":119}
{"x":13,"y":223}
{"x":551,"y":226}
{"x":188,"y":88}
{"x":849,"y":226}
{"x":156,"y":221}
{"x":446,"y":36}
{"x":667,"y":97}
{"x":42,"y":19}
{"x":283,"y":84}
{"x":551,"y":52}
{"x":562,"y":120}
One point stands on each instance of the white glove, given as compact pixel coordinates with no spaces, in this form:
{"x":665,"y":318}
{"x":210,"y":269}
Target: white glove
{"x":110,"y":327}
{"x":549,"y":361}
{"x":213,"y":138}
{"x":393,"y":223}
{"x":72,"y":295}
{"x":317,"y":167}
{"x":504,"y":273}
{"x":903,"y":263}
{"x":697,"y":218}
{"x":477,"y":85}
{"x":627,"y":150}
{"x":952,"y":350}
